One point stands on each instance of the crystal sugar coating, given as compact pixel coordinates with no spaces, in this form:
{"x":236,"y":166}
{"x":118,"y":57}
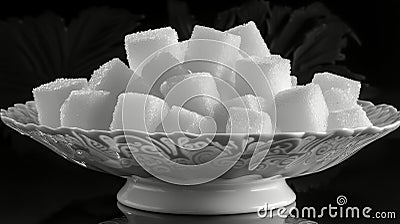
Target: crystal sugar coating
{"x":180,"y":50}
{"x":293,"y":80}
{"x":213,"y":45}
{"x":141,"y":45}
{"x":159,"y":68}
{"x":250,"y":102}
{"x":301,"y":108}
{"x":263,"y":77}
{"x":88,"y":109}
{"x":196,"y":92}
{"x":138,"y":112}
{"x":50,"y":96}
{"x":350,"y":118}
{"x":328,"y":80}
{"x":243,"y":120}
{"x":137,"y":85}
{"x":224,"y":76}
{"x":251,"y":40}
{"x":182,"y":120}
{"x":219,"y":49}
{"x":202,"y":32}
{"x":277,"y":70}
{"x":338,"y":99}
{"x":112,"y":77}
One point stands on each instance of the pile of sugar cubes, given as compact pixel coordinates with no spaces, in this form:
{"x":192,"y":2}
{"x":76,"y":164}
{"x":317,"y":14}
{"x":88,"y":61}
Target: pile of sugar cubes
{"x":217,"y":81}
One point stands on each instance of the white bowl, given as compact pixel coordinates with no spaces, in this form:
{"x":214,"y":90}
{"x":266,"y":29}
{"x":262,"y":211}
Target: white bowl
{"x":241,"y":189}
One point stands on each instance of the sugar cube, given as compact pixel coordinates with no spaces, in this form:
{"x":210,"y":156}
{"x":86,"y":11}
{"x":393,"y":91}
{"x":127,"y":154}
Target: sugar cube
{"x":293,"y":80}
{"x":112,"y":77}
{"x":252,"y":42}
{"x":159,"y":68}
{"x":219,"y":48}
{"x":226,"y":89}
{"x":202,"y":32}
{"x":196,"y":92}
{"x":301,"y":108}
{"x":137,"y":85}
{"x":264,"y":77}
{"x":87,"y":109}
{"x":250,"y":102}
{"x":338,"y":99}
{"x":179,"y":50}
{"x":328,"y":80}
{"x":141,"y":45}
{"x":50,"y":96}
{"x":181,"y":119}
{"x":139,"y":112}
{"x":224,"y":76}
{"x":243,"y":120}
{"x":350,"y":118}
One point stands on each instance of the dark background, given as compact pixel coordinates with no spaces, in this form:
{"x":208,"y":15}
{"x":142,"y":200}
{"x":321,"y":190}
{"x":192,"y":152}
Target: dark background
{"x":40,"y":187}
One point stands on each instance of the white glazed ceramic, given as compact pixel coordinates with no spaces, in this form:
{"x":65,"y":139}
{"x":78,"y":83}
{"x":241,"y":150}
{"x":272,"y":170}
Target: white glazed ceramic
{"x":223,"y":196}
{"x":290,"y":155}
{"x":134,"y":216}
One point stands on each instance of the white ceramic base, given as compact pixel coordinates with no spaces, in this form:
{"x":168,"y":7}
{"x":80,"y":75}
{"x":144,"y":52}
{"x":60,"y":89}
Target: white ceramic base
{"x":135,"y":216}
{"x":234,"y":196}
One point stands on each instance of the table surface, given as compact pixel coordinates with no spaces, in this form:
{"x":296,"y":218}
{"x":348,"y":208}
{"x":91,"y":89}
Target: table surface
{"x":40,"y":187}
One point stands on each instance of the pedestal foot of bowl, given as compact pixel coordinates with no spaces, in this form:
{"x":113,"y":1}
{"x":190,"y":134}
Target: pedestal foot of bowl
{"x":222,"y":196}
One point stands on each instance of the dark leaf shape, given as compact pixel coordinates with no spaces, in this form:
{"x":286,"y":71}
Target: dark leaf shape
{"x":254,"y":10}
{"x":276,"y":21}
{"x":38,"y":50}
{"x":311,"y":37}
{"x":257,"y":14}
{"x":321,"y":49}
{"x":180,"y":18}
{"x":293,"y":33}
{"x":227,"y":19}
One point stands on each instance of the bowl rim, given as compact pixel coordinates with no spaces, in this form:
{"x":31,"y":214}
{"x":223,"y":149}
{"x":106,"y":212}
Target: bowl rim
{"x":343,"y":131}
